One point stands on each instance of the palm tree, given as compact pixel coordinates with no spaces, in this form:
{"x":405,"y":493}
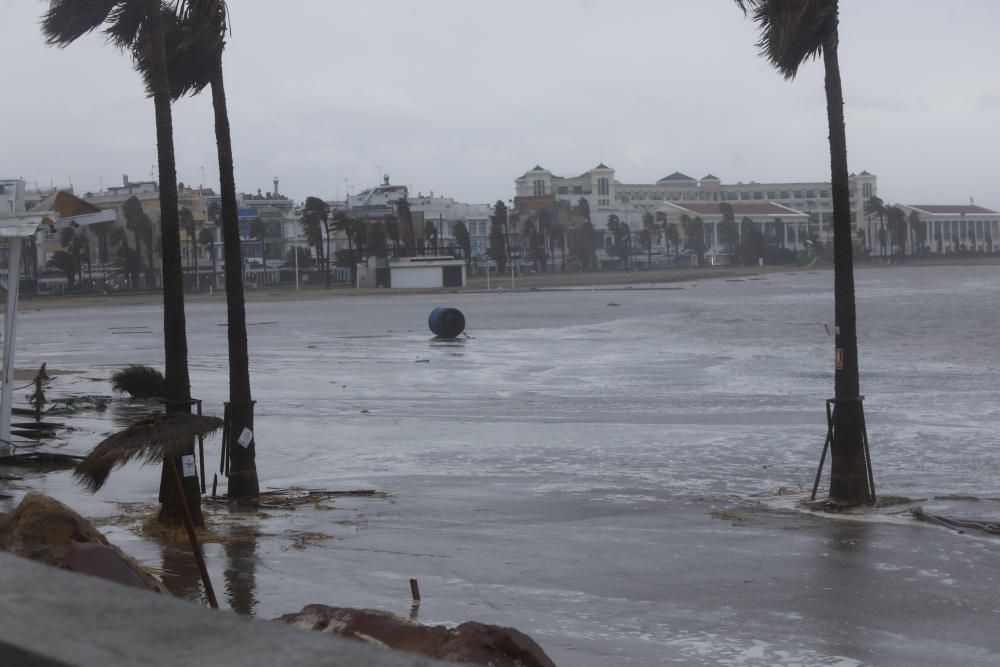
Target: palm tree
{"x":188,"y":223}
{"x":136,"y":26}
{"x":728,"y":226}
{"x":464,"y":242}
{"x":793,"y":31}
{"x":132,"y":210}
{"x":315,"y":227}
{"x":498,"y":226}
{"x":198,"y":32}
{"x":646,"y":237}
{"x":672,"y":235}
{"x":206,"y":238}
{"x":431,"y":232}
{"x":875,"y":206}
{"x":64,"y":262}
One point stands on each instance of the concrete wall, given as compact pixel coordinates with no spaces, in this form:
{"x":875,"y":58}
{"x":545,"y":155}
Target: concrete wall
{"x":53,"y":618}
{"x":416,"y":276}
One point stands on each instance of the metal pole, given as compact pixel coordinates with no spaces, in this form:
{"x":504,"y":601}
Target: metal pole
{"x":9,"y":333}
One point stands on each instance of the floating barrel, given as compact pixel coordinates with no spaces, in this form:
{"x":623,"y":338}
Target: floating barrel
{"x":446,"y":322}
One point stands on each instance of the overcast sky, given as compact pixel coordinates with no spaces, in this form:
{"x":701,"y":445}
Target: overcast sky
{"x":462,"y":96}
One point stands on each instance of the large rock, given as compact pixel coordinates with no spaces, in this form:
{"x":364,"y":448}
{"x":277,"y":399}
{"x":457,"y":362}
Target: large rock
{"x":471,"y":642}
{"x":43,"y":529}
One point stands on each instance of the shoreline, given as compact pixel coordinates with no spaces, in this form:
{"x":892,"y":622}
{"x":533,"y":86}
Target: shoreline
{"x":530,"y":282}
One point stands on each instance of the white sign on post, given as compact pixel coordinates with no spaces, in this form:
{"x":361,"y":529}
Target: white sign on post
{"x":188,"y":467}
{"x":246,"y":437}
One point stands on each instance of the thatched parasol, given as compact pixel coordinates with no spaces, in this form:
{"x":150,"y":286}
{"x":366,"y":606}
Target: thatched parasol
{"x":158,"y":437}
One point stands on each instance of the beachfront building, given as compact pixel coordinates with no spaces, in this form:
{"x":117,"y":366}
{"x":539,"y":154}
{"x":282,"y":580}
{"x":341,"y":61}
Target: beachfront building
{"x":608,"y":196}
{"x":777,"y":225}
{"x":444,"y":212}
{"x":952,"y":228}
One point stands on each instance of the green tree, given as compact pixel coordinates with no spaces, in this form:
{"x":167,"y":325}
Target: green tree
{"x":137,"y":222}
{"x":647,"y":235}
{"x":778,"y":227}
{"x":431,"y":235}
{"x":189,"y":226}
{"x":793,"y":31}
{"x":464,"y":242}
{"x":672,"y":235}
{"x":875,"y":206}
{"x":918,"y":231}
{"x":694,"y":236}
{"x":66,"y":263}
{"x":315,"y":228}
{"x":619,"y":239}
{"x":206,"y":238}
{"x":498,"y":232}
{"x":727,"y":227}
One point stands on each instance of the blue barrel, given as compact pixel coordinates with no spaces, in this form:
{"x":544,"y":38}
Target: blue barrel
{"x":446,"y":322}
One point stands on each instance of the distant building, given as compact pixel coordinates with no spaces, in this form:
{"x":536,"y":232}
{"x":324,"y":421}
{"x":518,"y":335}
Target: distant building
{"x":607,"y":196}
{"x":950,"y":228}
{"x":12,"y":195}
{"x":444,"y":212}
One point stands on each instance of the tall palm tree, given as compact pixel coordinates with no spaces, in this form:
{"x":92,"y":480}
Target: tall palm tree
{"x":793,"y":31}
{"x":464,"y":242}
{"x":728,"y":226}
{"x":188,"y":224}
{"x":132,"y":210}
{"x":136,"y":26}
{"x":206,"y":238}
{"x":197,"y":32}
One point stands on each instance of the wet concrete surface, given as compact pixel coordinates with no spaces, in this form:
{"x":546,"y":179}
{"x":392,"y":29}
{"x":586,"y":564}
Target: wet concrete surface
{"x":603,"y":477}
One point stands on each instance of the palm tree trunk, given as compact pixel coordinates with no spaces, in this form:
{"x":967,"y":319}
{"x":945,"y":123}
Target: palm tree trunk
{"x":243,"y":467}
{"x":178,"y":383}
{"x":849,"y":470}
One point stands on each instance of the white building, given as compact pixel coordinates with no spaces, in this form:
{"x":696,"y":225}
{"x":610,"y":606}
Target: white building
{"x":950,"y":228}
{"x":12,"y":195}
{"x":444,"y":212}
{"x":628,"y":201}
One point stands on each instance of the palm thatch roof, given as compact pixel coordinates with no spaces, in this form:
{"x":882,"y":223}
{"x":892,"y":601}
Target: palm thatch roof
{"x":149,"y":440}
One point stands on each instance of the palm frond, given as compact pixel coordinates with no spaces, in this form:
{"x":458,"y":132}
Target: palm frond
{"x":139,"y":382}
{"x":149,"y":440}
{"x":124,"y":25}
{"x":793,"y":31}
{"x":68,"y":20}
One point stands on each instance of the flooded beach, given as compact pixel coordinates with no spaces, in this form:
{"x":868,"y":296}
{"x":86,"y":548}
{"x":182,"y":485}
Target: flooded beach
{"x":614,"y":471}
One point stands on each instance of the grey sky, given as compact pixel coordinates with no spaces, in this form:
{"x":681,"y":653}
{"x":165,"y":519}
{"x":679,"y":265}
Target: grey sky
{"x":462,"y":96}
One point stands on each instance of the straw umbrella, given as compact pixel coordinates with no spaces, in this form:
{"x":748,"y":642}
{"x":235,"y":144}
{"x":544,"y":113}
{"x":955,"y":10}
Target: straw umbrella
{"x":158,"y":437}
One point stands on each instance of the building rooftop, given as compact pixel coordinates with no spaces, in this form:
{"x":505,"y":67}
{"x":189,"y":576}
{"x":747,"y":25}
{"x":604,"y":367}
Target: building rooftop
{"x":676,"y":176}
{"x":739,"y":208}
{"x":952,"y":209}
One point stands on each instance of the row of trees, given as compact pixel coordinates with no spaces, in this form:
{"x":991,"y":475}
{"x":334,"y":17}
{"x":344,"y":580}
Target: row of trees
{"x":177,"y":49}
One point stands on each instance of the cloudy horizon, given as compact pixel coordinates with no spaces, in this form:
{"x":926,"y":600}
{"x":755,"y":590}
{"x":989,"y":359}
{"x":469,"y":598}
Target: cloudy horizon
{"x":461,"y":99}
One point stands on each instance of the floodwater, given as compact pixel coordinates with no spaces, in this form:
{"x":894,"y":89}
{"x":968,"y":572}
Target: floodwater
{"x":604,"y":469}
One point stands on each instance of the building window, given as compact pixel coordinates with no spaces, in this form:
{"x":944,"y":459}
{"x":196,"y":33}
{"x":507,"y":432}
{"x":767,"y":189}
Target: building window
{"x":603,"y":188}
{"x":563,"y":190}
{"x":758,"y":195}
{"x":744,"y":196}
{"x":578,"y":189}
{"x":771,"y":195}
{"x":732,"y":196}
{"x":797,"y":194}
{"x":811,"y":194}
{"x":866,"y":190}
{"x":784,"y":194}
{"x":539,"y":188}
{"x":824,"y":194}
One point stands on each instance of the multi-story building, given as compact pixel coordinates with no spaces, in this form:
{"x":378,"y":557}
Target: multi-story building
{"x":444,"y":212}
{"x":628,"y":201}
{"x":949,"y":228}
{"x":12,"y":195}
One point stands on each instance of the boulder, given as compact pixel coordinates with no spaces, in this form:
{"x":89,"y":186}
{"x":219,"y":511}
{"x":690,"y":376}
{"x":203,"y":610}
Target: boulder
{"x":471,"y":642}
{"x":43,"y":529}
